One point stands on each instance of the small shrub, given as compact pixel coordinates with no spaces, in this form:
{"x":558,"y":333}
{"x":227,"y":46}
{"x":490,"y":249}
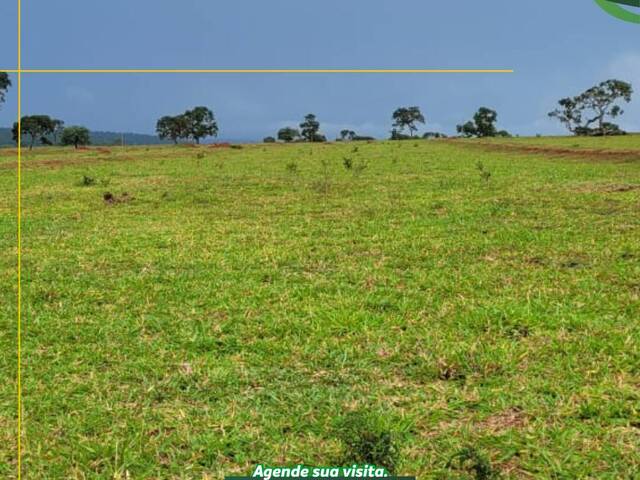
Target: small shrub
{"x":360,"y":167}
{"x":368,"y":439}
{"x":347,"y":162}
{"x":484,"y":173}
{"x":355,"y":149}
{"x":88,"y":181}
{"x":323,"y":185}
{"x":292,"y":167}
{"x":200,"y":155}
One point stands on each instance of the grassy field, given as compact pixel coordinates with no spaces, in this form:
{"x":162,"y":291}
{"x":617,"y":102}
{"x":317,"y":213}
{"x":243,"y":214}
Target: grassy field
{"x":468,"y":312}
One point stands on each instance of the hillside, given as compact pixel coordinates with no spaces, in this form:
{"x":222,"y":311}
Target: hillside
{"x":100,"y":138}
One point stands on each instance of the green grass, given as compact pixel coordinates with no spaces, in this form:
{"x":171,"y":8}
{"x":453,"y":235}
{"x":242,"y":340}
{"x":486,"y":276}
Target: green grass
{"x":232,"y":310}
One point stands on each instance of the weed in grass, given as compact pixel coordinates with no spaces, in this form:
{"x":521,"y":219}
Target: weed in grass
{"x":359,"y":167}
{"x":88,"y":181}
{"x":484,"y":173}
{"x":368,"y":438}
{"x":347,"y":163}
{"x":292,"y":167}
{"x":355,"y":149}
{"x":200,"y":155}
{"x":323,"y":184}
{"x":472,"y":461}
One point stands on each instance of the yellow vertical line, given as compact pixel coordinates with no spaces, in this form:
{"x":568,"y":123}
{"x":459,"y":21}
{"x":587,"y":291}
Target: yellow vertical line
{"x":19,"y":240}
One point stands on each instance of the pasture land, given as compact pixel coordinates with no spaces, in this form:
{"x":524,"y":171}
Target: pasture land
{"x":228,"y":307}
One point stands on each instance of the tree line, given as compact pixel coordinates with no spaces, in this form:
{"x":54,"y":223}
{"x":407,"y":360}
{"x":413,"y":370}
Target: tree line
{"x":49,"y":131}
{"x":588,"y":114}
{"x":195,"y":124}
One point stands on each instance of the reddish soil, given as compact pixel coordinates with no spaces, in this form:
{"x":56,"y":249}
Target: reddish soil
{"x":579,"y":153}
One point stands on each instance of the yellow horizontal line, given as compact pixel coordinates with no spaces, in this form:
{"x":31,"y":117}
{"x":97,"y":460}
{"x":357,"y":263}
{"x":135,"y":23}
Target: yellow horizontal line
{"x":257,"y":70}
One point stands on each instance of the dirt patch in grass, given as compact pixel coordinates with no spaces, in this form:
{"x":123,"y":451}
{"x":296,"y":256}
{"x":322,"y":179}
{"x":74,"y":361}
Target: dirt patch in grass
{"x":579,"y":153}
{"x":607,"y":188}
{"x":512,"y":418}
{"x":58,"y":163}
{"x":111,"y":199}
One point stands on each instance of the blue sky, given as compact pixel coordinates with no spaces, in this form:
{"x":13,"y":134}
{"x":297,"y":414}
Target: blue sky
{"x":557,"y":48}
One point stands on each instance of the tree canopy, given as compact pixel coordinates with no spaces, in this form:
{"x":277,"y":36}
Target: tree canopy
{"x":5,"y":83}
{"x":288,"y":134}
{"x":75,"y":135}
{"x":201,"y":123}
{"x":197,"y":124}
{"x":347,"y":135}
{"x":407,"y":117}
{"x":173,"y":128}
{"x":586,"y":114}
{"x":36,"y":128}
{"x":310,"y":129}
{"x":482,"y":125}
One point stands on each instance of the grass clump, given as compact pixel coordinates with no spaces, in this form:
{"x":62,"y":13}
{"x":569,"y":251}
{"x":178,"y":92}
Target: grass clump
{"x":473,"y":462}
{"x":368,"y":438}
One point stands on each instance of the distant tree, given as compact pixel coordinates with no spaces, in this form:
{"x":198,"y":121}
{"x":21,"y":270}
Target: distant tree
{"x":288,"y":134}
{"x":201,"y":123}
{"x":430,"y":135}
{"x":398,"y":135}
{"x":468,"y":129}
{"x":485,"y":120}
{"x":36,"y":127}
{"x":269,"y":140}
{"x":362,"y":138}
{"x":58,"y":127}
{"x":174,"y":128}
{"x":347,"y":135}
{"x":482,"y":125}
{"x":586,"y":114}
{"x":310,"y":128}
{"x":407,"y":117}
{"x":5,"y":83}
{"x":75,"y":135}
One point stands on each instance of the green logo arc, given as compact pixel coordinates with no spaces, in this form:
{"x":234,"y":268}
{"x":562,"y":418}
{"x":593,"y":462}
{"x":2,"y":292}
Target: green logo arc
{"x":612,"y":7}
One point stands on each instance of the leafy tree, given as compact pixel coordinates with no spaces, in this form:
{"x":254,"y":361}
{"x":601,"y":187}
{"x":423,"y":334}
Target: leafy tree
{"x":201,"y":123}
{"x":468,"y":129}
{"x":310,"y":129}
{"x":586,"y":114}
{"x":288,"y":134}
{"x":407,"y":117}
{"x":5,"y":83}
{"x":347,"y":135}
{"x":269,"y":140}
{"x":75,"y":135}
{"x":174,"y":128}
{"x":482,"y":125}
{"x":36,"y":127}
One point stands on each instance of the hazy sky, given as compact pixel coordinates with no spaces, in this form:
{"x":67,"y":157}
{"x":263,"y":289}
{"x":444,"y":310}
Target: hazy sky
{"x":557,"y":48}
